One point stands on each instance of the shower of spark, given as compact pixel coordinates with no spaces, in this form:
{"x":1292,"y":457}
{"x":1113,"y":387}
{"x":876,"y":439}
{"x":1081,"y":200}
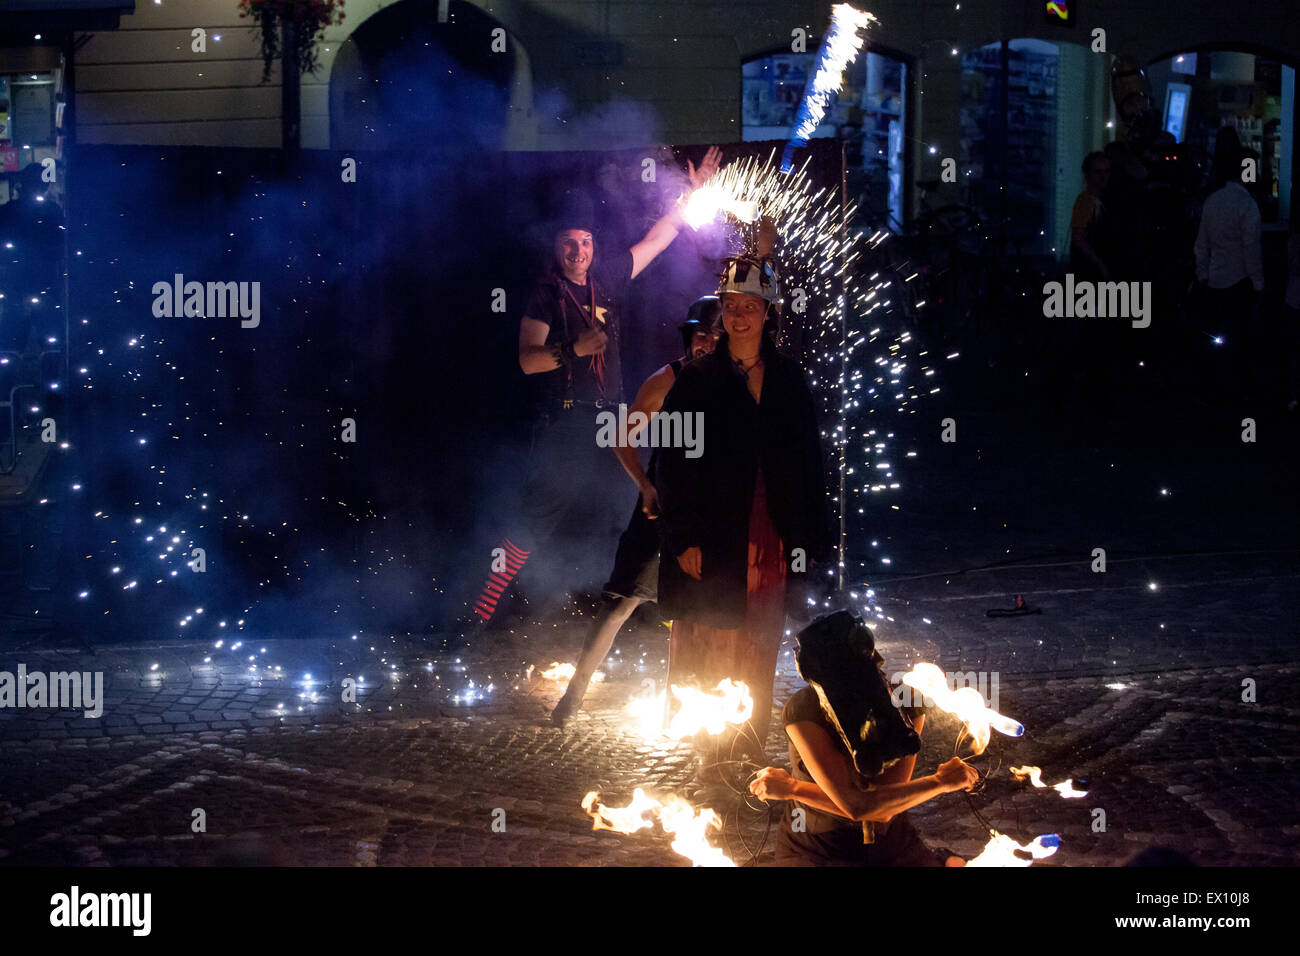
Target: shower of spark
{"x":839,"y":48}
{"x":846,"y":316}
{"x":687,"y":826}
{"x":1035,"y":776}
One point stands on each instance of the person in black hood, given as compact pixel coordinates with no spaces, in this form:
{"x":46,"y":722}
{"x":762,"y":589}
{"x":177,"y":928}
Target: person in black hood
{"x":749,"y":511}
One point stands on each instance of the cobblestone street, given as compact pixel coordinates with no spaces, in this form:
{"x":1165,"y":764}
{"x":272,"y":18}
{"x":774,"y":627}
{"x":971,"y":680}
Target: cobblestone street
{"x":1136,"y":692}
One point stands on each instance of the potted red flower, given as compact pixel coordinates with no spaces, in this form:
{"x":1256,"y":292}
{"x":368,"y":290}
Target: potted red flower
{"x":304,"y":20}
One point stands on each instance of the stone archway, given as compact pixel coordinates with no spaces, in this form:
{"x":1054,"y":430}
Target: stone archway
{"x":400,"y":79}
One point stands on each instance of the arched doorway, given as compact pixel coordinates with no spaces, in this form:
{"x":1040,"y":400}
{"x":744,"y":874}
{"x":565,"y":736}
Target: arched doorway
{"x":405,"y":81}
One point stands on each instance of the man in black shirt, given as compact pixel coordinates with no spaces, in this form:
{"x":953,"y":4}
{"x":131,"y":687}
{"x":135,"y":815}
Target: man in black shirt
{"x":569,"y":338}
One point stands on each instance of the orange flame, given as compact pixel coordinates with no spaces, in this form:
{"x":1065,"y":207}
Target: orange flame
{"x":1035,"y":776}
{"x":1000,"y":851}
{"x":558,"y":671}
{"x":688,"y":827}
{"x":966,"y":703}
{"x":730,"y":703}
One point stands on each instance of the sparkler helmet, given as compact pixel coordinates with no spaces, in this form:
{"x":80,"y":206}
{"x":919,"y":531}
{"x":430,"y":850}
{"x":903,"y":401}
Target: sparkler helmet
{"x":837,"y":657}
{"x":751,"y":276}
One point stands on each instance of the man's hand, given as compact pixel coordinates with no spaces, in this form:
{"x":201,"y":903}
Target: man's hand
{"x":590,"y":342}
{"x":690,"y":561}
{"x":650,"y":501}
{"x":956,"y":774}
{"x":773,"y":783}
{"x":708,"y":166}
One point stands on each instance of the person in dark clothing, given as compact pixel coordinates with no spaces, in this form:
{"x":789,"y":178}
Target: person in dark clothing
{"x":569,"y":339}
{"x":635,"y":577}
{"x":1088,"y":225}
{"x":749,"y":512}
{"x":852,"y":751}
{"x":849,"y":820}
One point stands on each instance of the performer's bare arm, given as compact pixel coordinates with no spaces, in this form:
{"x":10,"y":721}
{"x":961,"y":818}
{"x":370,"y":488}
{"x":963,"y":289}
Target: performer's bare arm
{"x":536,"y":356}
{"x":649,"y":399}
{"x":834,"y":789}
{"x":663,"y":232}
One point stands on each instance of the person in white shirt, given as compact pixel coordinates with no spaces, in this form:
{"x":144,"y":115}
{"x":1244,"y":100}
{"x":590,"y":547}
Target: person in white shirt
{"x":1228,"y":245}
{"x":1229,"y":265}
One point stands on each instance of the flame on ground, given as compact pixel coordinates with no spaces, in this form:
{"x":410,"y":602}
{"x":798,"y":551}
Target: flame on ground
{"x":1035,"y":776}
{"x":558,"y":671}
{"x":647,"y":713}
{"x":687,"y":826}
{"x":729,"y":703}
{"x":1001,"y":851}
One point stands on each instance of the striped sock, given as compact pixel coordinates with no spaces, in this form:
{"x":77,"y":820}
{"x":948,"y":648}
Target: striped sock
{"x":499,"y":581}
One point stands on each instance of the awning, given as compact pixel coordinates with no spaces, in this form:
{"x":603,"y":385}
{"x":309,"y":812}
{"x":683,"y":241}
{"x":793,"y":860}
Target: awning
{"x":20,"y":18}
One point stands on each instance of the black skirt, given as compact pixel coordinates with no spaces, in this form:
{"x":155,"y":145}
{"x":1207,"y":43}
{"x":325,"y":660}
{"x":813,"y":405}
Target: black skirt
{"x":636,"y":563}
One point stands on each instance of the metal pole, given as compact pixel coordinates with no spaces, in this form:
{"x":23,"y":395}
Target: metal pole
{"x":290,"y":93}
{"x":844,"y":359}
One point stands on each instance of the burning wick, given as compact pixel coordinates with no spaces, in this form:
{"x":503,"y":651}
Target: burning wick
{"x":966,"y":703}
{"x":679,"y":819}
{"x":1002,"y":851}
{"x":707,"y":201}
{"x":1035,"y":776}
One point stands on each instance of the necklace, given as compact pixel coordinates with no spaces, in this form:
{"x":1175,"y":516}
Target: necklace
{"x":740,"y":366}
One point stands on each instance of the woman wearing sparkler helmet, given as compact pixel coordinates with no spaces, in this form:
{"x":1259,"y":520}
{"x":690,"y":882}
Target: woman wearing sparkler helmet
{"x":749,"y":512}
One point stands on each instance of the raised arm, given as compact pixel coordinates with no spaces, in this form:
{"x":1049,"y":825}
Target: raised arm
{"x":663,"y":232}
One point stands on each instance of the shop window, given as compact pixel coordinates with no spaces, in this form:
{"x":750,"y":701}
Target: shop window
{"x":1009,"y":117}
{"x":1250,"y":94}
{"x":868,"y":115}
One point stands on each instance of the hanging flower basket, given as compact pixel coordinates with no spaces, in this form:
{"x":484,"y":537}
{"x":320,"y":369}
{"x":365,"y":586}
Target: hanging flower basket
{"x":309,"y":17}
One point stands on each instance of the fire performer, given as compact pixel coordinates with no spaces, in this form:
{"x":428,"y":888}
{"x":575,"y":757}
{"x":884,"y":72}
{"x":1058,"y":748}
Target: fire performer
{"x":569,"y":340}
{"x":853,"y":753}
{"x":635,"y":577}
{"x":751,"y":510}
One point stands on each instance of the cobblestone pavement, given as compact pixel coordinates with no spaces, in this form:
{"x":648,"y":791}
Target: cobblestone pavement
{"x":1137,"y":691}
